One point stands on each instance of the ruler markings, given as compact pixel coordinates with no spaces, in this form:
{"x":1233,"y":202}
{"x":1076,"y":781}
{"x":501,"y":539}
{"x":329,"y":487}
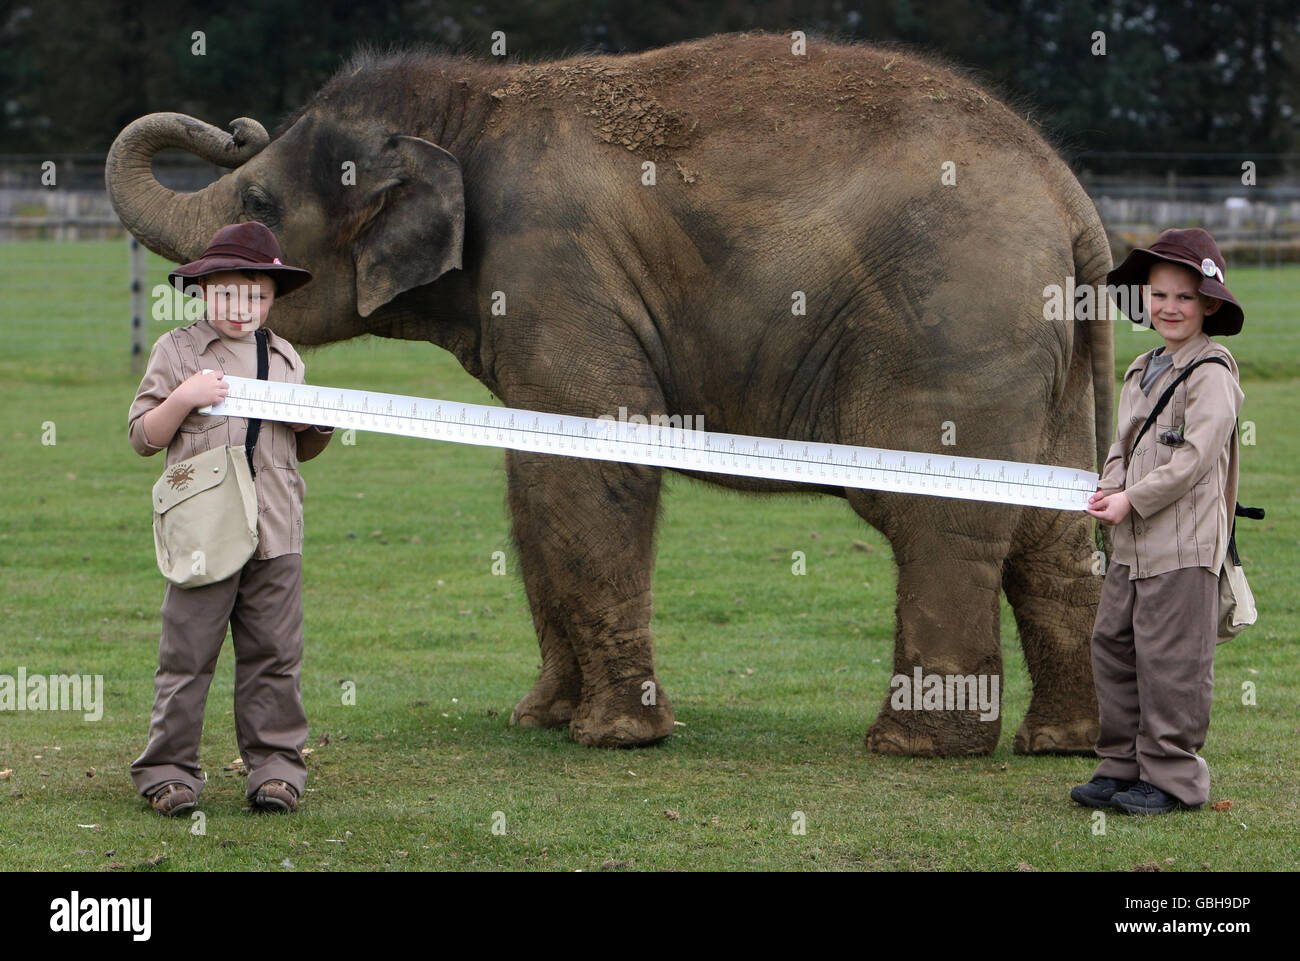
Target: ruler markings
{"x":663,"y":446}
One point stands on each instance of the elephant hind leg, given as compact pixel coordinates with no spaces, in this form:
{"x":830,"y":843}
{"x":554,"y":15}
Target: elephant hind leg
{"x":947,"y":628}
{"x":555,"y":696}
{"x":1052,"y":585}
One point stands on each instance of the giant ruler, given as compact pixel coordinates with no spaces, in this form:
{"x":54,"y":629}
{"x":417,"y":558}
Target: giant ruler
{"x":802,"y":462}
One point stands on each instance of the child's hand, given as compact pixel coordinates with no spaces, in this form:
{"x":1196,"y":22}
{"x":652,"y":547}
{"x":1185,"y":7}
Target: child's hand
{"x":204,"y":388}
{"x":1109,"y":508}
{"x":1097,"y":495}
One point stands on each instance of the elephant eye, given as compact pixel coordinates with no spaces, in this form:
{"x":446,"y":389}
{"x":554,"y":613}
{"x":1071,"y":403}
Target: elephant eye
{"x":259,"y":206}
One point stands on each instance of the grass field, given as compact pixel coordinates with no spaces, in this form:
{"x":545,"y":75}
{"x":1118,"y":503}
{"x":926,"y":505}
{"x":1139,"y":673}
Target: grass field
{"x":774,"y":677}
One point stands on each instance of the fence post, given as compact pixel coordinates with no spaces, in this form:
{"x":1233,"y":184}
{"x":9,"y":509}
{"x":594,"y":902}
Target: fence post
{"x":137,"y":304}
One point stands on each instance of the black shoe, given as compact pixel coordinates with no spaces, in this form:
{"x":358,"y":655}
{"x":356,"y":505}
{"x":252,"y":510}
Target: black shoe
{"x":1098,"y":792}
{"x":1144,"y":798}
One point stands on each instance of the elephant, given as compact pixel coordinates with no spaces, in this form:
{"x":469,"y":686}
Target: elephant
{"x":648,"y":222}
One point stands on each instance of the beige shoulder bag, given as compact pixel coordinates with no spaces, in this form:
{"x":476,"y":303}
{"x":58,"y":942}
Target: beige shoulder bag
{"x":1236,"y":602}
{"x":205,"y":508}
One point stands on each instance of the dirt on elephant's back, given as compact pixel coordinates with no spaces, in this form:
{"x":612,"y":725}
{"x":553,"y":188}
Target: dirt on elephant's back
{"x":659,"y":102}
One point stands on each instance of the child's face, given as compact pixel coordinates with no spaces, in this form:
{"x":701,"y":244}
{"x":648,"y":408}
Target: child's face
{"x":238,"y":302}
{"x":1178,"y":308}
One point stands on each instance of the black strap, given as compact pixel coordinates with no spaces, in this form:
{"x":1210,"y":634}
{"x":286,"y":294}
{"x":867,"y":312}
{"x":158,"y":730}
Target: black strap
{"x":1253,"y":513}
{"x":255,"y":423}
{"x":1168,"y":395}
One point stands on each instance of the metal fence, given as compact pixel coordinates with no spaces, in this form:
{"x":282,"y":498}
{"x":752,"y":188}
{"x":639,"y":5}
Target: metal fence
{"x":1255,"y":224}
{"x":1259,"y":223}
{"x":75,"y":206}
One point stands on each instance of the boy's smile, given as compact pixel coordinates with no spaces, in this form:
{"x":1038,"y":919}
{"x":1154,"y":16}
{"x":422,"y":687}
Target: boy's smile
{"x":1178,"y":309}
{"x":238,"y":301}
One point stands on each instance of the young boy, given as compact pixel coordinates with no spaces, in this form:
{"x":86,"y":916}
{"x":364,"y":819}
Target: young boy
{"x":262,"y":603}
{"x":1171,"y":506}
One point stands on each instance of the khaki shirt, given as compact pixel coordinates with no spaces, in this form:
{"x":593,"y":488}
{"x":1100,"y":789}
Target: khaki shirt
{"x":1183,"y":496}
{"x":280,"y":488}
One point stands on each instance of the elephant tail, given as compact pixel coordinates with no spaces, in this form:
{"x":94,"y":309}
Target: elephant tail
{"x":1091,"y":264}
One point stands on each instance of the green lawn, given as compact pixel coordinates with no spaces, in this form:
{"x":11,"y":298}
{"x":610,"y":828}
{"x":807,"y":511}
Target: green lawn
{"x":774,"y":677}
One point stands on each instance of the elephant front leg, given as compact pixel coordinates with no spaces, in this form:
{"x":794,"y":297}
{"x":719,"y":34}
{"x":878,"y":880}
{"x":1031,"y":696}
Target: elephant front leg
{"x":946,"y":691}
{"x":585,"y":532}
{"x":555,"y":696}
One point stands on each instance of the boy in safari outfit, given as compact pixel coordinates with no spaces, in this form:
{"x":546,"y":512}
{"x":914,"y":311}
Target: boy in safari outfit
{"x":262,"y":602}
{"x":1172,"y":505}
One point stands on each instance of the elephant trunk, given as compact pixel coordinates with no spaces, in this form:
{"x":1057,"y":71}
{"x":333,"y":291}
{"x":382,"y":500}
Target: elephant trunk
{"x":177,"y":226}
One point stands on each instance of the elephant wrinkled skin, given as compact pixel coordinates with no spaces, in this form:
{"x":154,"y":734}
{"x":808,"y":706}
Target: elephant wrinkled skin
{"x":773,"y":173}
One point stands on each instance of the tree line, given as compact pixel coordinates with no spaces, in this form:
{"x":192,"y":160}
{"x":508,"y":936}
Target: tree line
{"x":1099,"y":77}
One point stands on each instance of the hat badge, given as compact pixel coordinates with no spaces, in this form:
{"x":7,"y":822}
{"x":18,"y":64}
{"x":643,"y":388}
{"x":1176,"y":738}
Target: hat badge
{"x":276,"y":260}
{"x":1209,"y":267}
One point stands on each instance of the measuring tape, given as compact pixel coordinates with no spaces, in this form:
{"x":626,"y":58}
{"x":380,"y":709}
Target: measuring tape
{"x":803,"y":462}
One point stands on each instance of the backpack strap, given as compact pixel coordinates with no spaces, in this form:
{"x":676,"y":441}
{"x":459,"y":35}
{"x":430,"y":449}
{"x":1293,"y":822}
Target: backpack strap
{"x":1253,"y":513}
{"x":1168,"y":395}
{"x":255,"y":423}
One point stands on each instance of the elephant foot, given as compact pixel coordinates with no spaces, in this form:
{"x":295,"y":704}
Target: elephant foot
{"x":931,"y":734}
{"x":1038,"y":736}
{"x":550,"y":703}
{"x":633,"y":714}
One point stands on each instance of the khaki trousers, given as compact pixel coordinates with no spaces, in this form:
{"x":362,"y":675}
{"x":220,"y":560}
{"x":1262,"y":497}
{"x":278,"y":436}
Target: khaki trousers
{"x":262,"y":604}
{"x":1153,"y":665}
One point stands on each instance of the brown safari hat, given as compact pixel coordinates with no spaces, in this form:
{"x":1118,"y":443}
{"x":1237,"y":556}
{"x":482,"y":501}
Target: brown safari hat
{"x":249,"y":246}
{"x":1193,"y":248}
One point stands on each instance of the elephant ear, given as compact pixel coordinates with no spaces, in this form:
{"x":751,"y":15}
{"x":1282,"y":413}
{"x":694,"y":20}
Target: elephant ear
{"x":419,"y":232}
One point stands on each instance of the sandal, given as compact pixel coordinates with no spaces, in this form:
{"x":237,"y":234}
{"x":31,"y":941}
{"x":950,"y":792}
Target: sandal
{"x":173,"y":798}
{"x":276,"y":795}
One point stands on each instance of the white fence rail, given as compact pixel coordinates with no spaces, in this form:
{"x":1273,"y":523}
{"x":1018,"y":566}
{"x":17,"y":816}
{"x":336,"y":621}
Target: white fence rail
{"x":1253,"y":224}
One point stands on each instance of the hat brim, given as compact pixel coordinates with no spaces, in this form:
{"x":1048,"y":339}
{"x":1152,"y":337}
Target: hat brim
{"x":287,"y":279}
{"x":1225,"y":321}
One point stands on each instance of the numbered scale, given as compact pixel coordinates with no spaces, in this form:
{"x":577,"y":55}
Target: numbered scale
{"x":833,"y":465}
